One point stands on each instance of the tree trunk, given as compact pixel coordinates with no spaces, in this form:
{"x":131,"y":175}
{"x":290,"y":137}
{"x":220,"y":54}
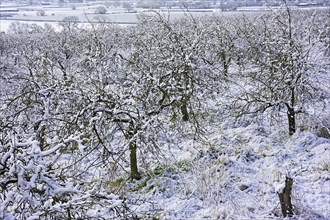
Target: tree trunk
{"x":291,"y":113}
{"x":184,"y":112}
{"x":291,"y":121}
{"x":285,"y":198}
{"x":133,"y":161}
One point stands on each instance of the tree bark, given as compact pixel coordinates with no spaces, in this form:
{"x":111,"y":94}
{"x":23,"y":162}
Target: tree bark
{"x":285,"y":198}
{"x":291,"y":113}
{"x":184,"y":112}
{"x":133,"y":161}
{"x":291,"y":121}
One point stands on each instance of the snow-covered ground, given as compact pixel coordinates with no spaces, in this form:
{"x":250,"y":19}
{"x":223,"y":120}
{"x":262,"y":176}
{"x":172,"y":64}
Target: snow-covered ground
{"x":87,"y":13}
{"x":53,"y":15}
{"x":237,"y":174}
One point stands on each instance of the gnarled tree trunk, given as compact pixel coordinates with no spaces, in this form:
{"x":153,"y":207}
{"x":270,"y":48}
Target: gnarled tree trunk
{"x":291,"y":121}
{"x":133,"y":161}
{"x":291,"y":113}
{"x":285,"y":198}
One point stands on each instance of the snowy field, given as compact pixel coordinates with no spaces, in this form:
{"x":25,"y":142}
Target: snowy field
{"x":238,"y":175}
{"x":87,"y":14}
{"x":53,"y":15}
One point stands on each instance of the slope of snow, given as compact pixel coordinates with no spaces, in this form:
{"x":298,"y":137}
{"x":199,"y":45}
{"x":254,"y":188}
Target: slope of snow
{"x":238,"y":177}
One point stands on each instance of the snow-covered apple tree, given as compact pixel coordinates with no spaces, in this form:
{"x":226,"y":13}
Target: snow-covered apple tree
{"x":283,"y":64}
{"x":46,"y":149}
